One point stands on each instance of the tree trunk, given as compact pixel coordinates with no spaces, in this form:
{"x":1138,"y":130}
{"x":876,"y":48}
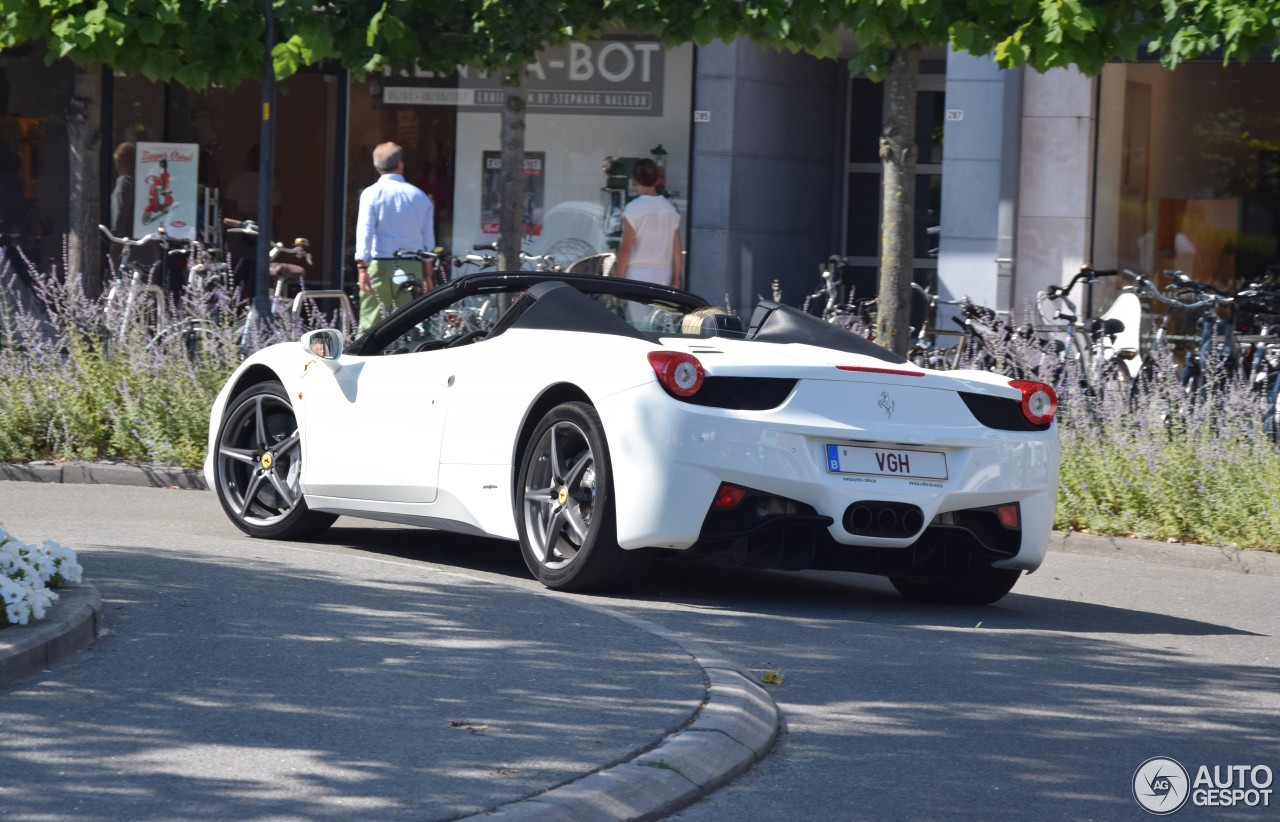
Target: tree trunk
{"x":84,"y":141}
{"x":511,"y":211}
{"x":897,"y":232}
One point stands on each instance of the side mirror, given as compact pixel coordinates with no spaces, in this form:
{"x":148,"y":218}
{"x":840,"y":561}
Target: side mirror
{"x":325,"y":343}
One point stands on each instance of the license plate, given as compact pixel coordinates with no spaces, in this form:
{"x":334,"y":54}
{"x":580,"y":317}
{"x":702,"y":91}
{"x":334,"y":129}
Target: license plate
{"x":886,"y":462}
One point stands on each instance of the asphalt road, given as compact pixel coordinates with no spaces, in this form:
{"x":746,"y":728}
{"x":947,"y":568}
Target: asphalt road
{"x":1040,"y":707}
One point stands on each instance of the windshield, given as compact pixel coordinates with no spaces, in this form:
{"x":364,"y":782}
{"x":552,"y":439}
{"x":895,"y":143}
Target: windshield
{"x":485,"y":311}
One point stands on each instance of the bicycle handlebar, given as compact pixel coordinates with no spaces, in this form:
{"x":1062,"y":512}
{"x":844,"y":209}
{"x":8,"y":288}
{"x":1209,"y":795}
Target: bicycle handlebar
{"x":475,"y":259}
{"x":301,"y":247}
{"x":419,"y":254}
{"x":934,"y":299}
{"x":491,"y":258}
{"x":149,"y":238}
{"x":1087,"y":274}
{"x":1185,"y":283}
{"x":1175,"y":295}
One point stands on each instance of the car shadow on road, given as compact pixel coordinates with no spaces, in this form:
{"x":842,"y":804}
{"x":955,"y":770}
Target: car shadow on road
{"x":825,"y":594}
{"x":463,"y":553}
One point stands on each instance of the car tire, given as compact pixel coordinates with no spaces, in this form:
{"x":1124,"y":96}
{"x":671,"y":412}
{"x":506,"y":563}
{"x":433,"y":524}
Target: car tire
{"x":258,"y":467}
{"x":565,"y":514}
{"x":982,"y":586}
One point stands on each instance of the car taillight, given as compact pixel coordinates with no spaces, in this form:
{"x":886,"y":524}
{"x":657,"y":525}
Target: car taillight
{"x":1039,"y":402}
{"x":679,"y":373}
{"x":728,"y":496}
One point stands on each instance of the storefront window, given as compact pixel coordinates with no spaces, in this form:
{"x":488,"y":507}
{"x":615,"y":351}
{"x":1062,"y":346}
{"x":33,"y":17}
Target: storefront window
{"x":1188,"y":171}
{"x":426,"y":132}
{"x":224,"y":126}
{"x":592,"y":108}
{"x":864,"y":181}
{"x":33,"y":157}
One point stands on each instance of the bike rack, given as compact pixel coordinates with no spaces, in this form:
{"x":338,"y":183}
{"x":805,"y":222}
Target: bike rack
{"x":331,"y":294}
{"x":136,"y":290}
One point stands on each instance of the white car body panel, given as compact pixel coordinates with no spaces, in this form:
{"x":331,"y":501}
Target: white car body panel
{"x":430,"y":438}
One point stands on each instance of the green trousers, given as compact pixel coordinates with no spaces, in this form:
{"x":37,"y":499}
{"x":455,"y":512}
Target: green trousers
{"x":386,"y":297}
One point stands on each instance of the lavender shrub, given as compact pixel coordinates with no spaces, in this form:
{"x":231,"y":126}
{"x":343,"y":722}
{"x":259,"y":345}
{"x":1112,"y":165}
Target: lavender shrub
{"x":120,"y":378}
{"x":1150,"y":460}
{"x":85,"y":379}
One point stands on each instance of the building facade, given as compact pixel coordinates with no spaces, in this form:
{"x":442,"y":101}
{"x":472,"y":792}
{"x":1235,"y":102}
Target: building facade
{"x":771,"y":158}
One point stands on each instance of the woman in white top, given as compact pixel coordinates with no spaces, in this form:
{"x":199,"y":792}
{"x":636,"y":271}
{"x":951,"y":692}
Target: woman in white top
{"x":650,"y":248}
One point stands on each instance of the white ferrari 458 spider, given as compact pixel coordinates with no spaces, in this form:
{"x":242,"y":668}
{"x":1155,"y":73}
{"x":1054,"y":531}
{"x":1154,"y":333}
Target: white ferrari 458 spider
{"x":604,"y":423}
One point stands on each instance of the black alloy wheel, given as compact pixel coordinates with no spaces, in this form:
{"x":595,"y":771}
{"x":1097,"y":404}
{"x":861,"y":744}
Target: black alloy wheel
{"x":565,"y":506}
{"x":258,"y":467}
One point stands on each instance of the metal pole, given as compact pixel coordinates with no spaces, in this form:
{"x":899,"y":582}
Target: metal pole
{"x":266,"y":170}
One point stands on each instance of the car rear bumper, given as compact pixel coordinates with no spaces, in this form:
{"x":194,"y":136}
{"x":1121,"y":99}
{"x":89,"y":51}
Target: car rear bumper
{"x":670,"y":458}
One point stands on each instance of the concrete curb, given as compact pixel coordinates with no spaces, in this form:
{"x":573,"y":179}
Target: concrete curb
{"x":733,"y":729}
{"x":1184,"y":554}
{"x":72,"y":624}
{"x":105,"y":473}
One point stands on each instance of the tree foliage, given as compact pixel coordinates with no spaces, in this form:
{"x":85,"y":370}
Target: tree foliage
{"x":198,"y":43}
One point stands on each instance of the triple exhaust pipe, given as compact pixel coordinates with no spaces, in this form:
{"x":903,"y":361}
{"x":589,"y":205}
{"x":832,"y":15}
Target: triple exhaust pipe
{"x":895,"y":520}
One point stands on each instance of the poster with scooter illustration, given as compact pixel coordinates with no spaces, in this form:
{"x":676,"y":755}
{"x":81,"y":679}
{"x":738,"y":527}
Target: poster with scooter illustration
{"x":165,"y":189}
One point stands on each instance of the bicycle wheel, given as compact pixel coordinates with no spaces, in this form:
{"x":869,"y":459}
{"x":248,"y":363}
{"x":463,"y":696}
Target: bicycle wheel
{"x":571,"y":248}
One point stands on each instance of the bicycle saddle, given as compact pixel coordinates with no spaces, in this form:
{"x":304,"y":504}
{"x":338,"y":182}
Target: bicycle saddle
{"x":289,"y":271}
{"x":1109,"y":327}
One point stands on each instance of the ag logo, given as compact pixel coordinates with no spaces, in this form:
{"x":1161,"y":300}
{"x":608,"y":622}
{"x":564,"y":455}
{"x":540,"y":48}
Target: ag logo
{"x":1161,"y":785}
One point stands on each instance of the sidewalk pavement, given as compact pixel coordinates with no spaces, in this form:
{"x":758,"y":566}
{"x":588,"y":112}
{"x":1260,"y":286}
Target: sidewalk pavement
{"x":648,"y":720}
{"x":326,"y":683}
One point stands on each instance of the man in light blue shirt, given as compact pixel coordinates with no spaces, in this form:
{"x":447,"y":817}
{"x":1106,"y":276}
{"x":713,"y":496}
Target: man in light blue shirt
{"x":394,"y":215}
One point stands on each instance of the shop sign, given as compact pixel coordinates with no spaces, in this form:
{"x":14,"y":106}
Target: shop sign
{"x":165,"y":189}
{"x":618,"y":76}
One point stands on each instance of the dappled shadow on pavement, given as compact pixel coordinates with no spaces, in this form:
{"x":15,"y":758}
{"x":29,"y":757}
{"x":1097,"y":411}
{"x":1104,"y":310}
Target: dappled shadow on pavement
{"x":1037,"y":707}
{"x":304,"y":684}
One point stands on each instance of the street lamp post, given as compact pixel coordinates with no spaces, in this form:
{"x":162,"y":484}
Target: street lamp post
{"x":261,"y":308}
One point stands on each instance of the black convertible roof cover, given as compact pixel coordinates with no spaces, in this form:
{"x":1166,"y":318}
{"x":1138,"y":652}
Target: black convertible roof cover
{"x":493,"y":283}
{"x":778,"y":323}
{"x":561,"y":302}
{"x":558,"y":306}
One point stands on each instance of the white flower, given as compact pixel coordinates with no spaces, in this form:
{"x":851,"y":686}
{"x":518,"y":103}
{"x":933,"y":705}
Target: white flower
{"x":9,"y":556}
{"x":40,"y":565}
{"x":16,"y":613}
{"x":10,"y":591}
{"x":40,"y":600}
{"x":27,"y":575}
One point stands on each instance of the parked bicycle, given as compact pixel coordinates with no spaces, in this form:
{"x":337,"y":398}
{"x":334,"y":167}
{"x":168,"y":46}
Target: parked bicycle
{"x":204,"y":311}
{"x":840,"y":306}
{"x":289,"y":298}
{"x":134,"y":298}
{"x":979,"y":327}
{"x":528,"y":262}
{"x":475,"y":261}
{"x":432,"y":267}
{"x":1094,"y":354}
{"x":989,"y":341}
